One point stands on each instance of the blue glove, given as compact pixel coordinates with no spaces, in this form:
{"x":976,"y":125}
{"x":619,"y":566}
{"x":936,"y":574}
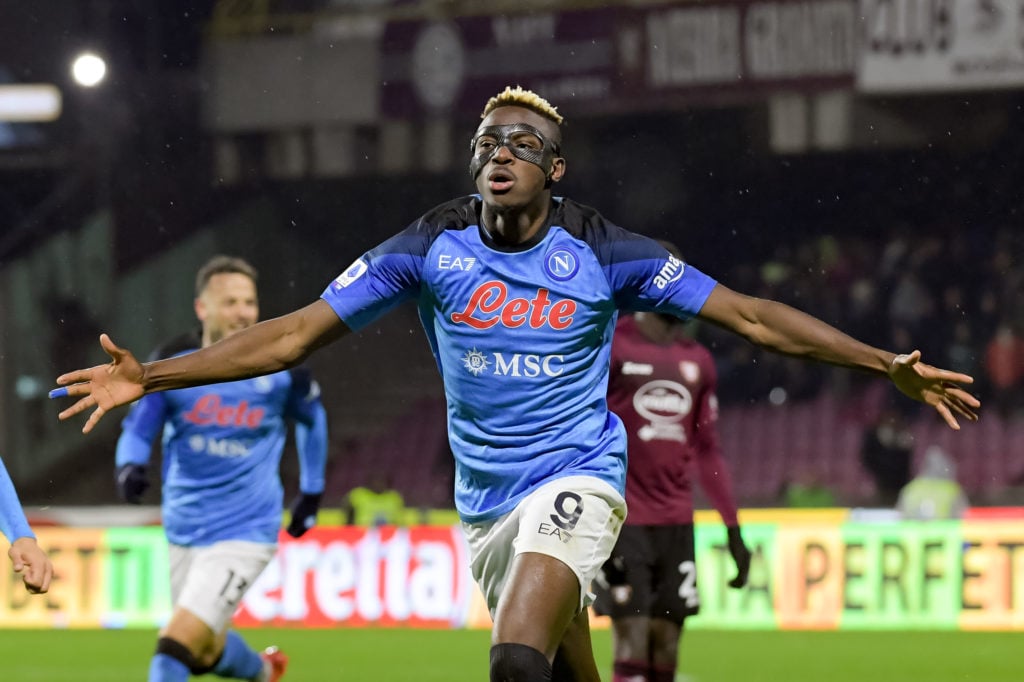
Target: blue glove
{"x":304,"y":508}
{"x":132,"y":482}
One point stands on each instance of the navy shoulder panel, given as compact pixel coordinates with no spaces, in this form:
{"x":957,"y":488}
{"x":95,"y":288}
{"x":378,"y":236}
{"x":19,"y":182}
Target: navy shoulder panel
{"x":609,"y":242}
{"x":417,"y":237}
{"x":456,"y":214}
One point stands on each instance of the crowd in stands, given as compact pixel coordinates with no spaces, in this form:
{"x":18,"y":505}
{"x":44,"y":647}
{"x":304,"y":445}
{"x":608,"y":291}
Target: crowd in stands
{"x":957,"y":296}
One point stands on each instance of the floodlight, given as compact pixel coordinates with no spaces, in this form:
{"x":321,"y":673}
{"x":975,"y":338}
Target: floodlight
{"x":88,"y":69}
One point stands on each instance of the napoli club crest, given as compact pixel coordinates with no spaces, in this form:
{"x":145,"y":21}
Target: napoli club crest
{"x":561,"y":264}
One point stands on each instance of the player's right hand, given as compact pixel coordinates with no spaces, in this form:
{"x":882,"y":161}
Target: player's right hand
{"x":33,"y":564}
{"x":740,"y":556}
{"x":132,"y":482}
{"x":103,"y":386}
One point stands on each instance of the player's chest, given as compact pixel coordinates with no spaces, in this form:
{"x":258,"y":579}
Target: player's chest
{"x":547,"y":290}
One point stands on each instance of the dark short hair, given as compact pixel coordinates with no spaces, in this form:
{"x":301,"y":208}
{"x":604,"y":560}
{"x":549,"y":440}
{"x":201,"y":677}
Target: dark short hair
{"x":220,"y":265}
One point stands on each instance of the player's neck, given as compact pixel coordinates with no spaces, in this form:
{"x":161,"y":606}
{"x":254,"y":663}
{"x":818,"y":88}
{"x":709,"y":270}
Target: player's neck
{"x":515,"y":225}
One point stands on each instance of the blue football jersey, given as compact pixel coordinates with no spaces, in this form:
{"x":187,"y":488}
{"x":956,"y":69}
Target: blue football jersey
{"x":222,"y":447}
{"x":522,"y":337}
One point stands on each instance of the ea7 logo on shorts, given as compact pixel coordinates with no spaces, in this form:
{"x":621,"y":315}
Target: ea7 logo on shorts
{"x":568,"y":510}
{"x":446,"y":262}
{"x":354,"y":272}
{"x":670,"y":272}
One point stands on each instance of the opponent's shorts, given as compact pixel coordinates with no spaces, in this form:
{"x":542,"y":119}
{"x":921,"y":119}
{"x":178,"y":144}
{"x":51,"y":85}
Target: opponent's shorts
{"x":210,"y":581}
{"x":573,"y":519}
{"x":660,"y":575}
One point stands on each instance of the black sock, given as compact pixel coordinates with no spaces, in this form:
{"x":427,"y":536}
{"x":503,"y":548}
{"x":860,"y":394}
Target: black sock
{"x":518,"y":663}
{"x":176,"y":650}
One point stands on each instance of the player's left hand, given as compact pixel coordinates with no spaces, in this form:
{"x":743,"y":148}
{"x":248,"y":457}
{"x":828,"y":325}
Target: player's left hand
{"x":132,"y":482}
{"x":740,"y":556}
{"x":304,"y":508}
{"x":936,"y":387}
{"x":32,"y":562}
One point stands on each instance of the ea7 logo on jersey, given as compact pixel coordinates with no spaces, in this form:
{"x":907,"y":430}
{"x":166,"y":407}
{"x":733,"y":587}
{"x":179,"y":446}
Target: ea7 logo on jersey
{"x":446,"y":262}
{"x":354,"y":272}
{"x":670,"y":272}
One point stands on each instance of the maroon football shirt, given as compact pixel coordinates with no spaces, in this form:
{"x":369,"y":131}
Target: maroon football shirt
{"x":665,"y":396}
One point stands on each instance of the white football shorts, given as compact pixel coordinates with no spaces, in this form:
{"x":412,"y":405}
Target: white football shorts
{"x":210,"y":581}
{"x":575,"y":519}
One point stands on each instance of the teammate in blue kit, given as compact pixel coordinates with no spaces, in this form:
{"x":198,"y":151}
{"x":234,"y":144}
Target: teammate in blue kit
{"x":26,"y":556}
{"x":518,"y":292}
{"x":221,"y":484}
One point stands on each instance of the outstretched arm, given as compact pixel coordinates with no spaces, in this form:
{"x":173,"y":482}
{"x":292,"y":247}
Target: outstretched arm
{"x":264,"y":348}
{"x":783,"y":329}
{"x":26,"y":556}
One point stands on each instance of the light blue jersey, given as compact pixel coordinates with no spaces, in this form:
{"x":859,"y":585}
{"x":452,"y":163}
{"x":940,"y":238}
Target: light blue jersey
{"x":522,"y":338}
{"x":13,"y":523}
{"x":222,"y":449}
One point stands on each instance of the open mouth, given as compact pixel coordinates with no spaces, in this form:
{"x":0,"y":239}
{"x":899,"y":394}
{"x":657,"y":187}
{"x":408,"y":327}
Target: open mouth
{"x":500,"y":181}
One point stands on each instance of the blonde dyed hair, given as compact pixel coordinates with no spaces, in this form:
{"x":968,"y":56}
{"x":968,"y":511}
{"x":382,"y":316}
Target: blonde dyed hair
{"x":518,"y":97}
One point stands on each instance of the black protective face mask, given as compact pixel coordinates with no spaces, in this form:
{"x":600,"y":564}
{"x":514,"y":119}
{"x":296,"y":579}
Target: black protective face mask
{"x":516,"y":138}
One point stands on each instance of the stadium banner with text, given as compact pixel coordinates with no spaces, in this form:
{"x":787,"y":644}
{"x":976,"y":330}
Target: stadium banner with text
{"x":941,"y":45}
{"x":808,"y":572}
{"x":620,"y":58}
{"x":114,"y":577}
{"x":416,"y":577}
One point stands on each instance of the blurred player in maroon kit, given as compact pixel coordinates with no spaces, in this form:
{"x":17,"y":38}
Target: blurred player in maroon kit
{"x":662,"y":385}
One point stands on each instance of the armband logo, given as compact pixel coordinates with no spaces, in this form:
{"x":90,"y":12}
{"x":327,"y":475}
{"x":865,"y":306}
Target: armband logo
{"x":671,"y":271}
{"x":354,"y":272}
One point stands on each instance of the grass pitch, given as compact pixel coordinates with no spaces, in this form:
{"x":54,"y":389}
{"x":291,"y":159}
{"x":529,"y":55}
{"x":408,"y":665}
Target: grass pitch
{"x":398,"y":655}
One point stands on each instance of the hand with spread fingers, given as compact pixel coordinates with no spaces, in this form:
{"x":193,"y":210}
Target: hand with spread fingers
{"x":937,"y":387}
{"x":103,"y":387}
